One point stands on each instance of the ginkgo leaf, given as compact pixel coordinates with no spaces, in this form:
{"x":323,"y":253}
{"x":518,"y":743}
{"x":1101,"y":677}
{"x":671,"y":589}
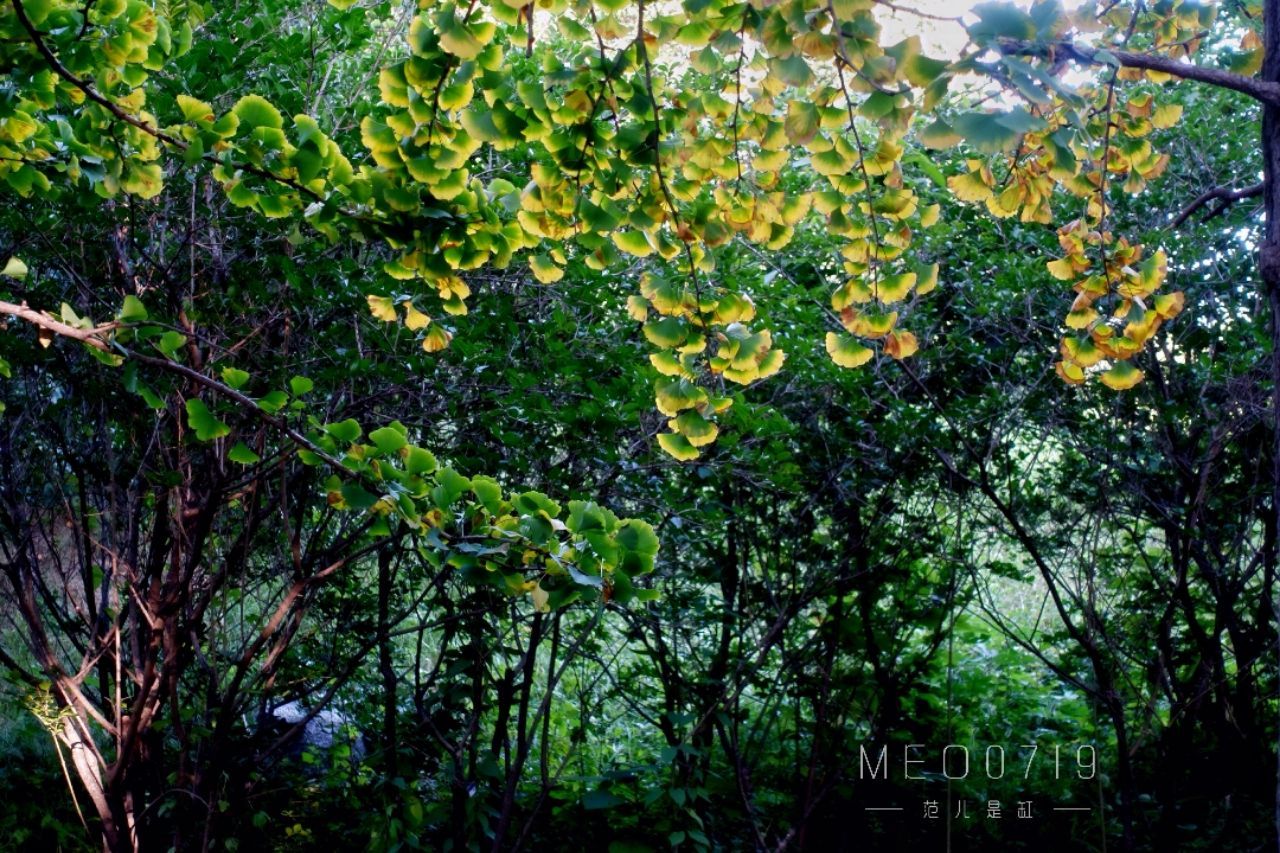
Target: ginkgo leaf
{"x":895,"y":288}
{"x":1081,"y":351}
{"x":901,"y":344}
{"x":383,"y":308}
{"x":1062,"y":269}
{"x":14,"y":268}
{"x":695,"y":428}
{"x":668,"y":364}
{"x":1122,"y":376}
{"x":200,"y":419}
{"x":544,"y":269}
{"x":771,"y":363}
{"x":926,"y":278}
{"x":1169,"y":305}
{"x":939,"y":135}
{"x":541,"y":599}
{"x":872,"y":324}
{"x":234,"y":377}
{"x":633,"y":243}
{"x":413,"y":318}
{"x":243,"y":455}
{"x":255,"y":111}
{"x":1166,"y":116}
{"x":847,"y":351}
{"x":969,"y":187}
{"x":436,"y":338}
{"x":1070,"y":372}
{"x":637,"y":308}
{"x":666,"y":331}
{"x":1081,"y":319}
{"x":195,"y":110}
{"x":677,"y":446}
{"x":675,"y":395}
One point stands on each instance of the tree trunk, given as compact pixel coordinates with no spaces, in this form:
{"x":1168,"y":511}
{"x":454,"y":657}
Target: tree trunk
{"x":1269,"y":266}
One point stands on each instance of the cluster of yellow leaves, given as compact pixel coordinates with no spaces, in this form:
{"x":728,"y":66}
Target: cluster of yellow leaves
{"x":1089,"y":144}
{"x":1126,"y":280}
{"x":434,"y":339}
{"x":680,"y":323}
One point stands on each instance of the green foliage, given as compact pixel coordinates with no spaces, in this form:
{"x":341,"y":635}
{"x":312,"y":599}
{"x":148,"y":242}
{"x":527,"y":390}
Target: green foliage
{"x":573,"y":271}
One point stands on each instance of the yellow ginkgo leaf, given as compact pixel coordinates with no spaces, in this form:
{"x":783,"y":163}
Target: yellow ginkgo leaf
{"x":415,"y":319}
{"x":694,"y":427}
{"x":436,"y":339}
{"x":1166,"y":115}
{"x":544,"y":269}
{"x":382,"y":307}
{"x":895,"y":288}
{"x":1122,"y":376}
{"x":1070,"y":373}
{"x":969,"y":187}
{"x":846,"y":351}
{"x":1062,"y":269}
{"x":637,"y":308}
{"x":1169,"y":305}
{"x":901,"y":345}
{"x":1081,"y":319}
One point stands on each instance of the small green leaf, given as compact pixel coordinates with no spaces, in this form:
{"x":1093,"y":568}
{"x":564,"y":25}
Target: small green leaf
{"x":235,"y":377}
{"x":388,"y":439}
{"x":345,"y":431}
{"x":133,"y":311}
{"x":200,"y":419}
{"x":256,"y":111}
{"x":273,"y":402}
{"x":357,"y":496}
{"x":300,"y":385}
{"x":242,"y":454}
{"x":170,"y":343}
{"x":419,"y":461}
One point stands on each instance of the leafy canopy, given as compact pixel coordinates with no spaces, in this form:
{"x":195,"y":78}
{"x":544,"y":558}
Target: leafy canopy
{"x":655,"y":133}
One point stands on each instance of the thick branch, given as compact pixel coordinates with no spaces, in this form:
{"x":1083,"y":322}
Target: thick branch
{"x":1225,"y":195}
{"x":1261,"y":90}
{"x":47,"y":323}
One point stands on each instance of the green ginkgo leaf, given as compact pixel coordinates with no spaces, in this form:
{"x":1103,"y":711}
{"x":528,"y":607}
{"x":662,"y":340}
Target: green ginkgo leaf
{"x":677,"y":446}
{"x":200,"y":419}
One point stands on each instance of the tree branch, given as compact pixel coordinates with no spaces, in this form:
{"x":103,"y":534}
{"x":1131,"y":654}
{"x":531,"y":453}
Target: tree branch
{"x":1226,"y":195}
{"x":1264,"y":91}
{"x":50,"y":325}
{"x":94,"y":338}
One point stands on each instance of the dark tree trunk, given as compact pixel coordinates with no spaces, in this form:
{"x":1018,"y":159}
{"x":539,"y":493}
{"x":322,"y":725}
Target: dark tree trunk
{"x":1269,"y":264}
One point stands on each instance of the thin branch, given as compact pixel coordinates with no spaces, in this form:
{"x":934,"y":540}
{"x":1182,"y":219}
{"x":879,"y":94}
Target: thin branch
{"x":94,"y":338}
{"x":1225,"y":195}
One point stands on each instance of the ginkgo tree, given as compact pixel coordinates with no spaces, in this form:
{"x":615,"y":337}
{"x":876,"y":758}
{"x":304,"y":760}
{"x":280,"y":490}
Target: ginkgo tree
{"x":627,"y":135}
{"x":624,"y":156}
